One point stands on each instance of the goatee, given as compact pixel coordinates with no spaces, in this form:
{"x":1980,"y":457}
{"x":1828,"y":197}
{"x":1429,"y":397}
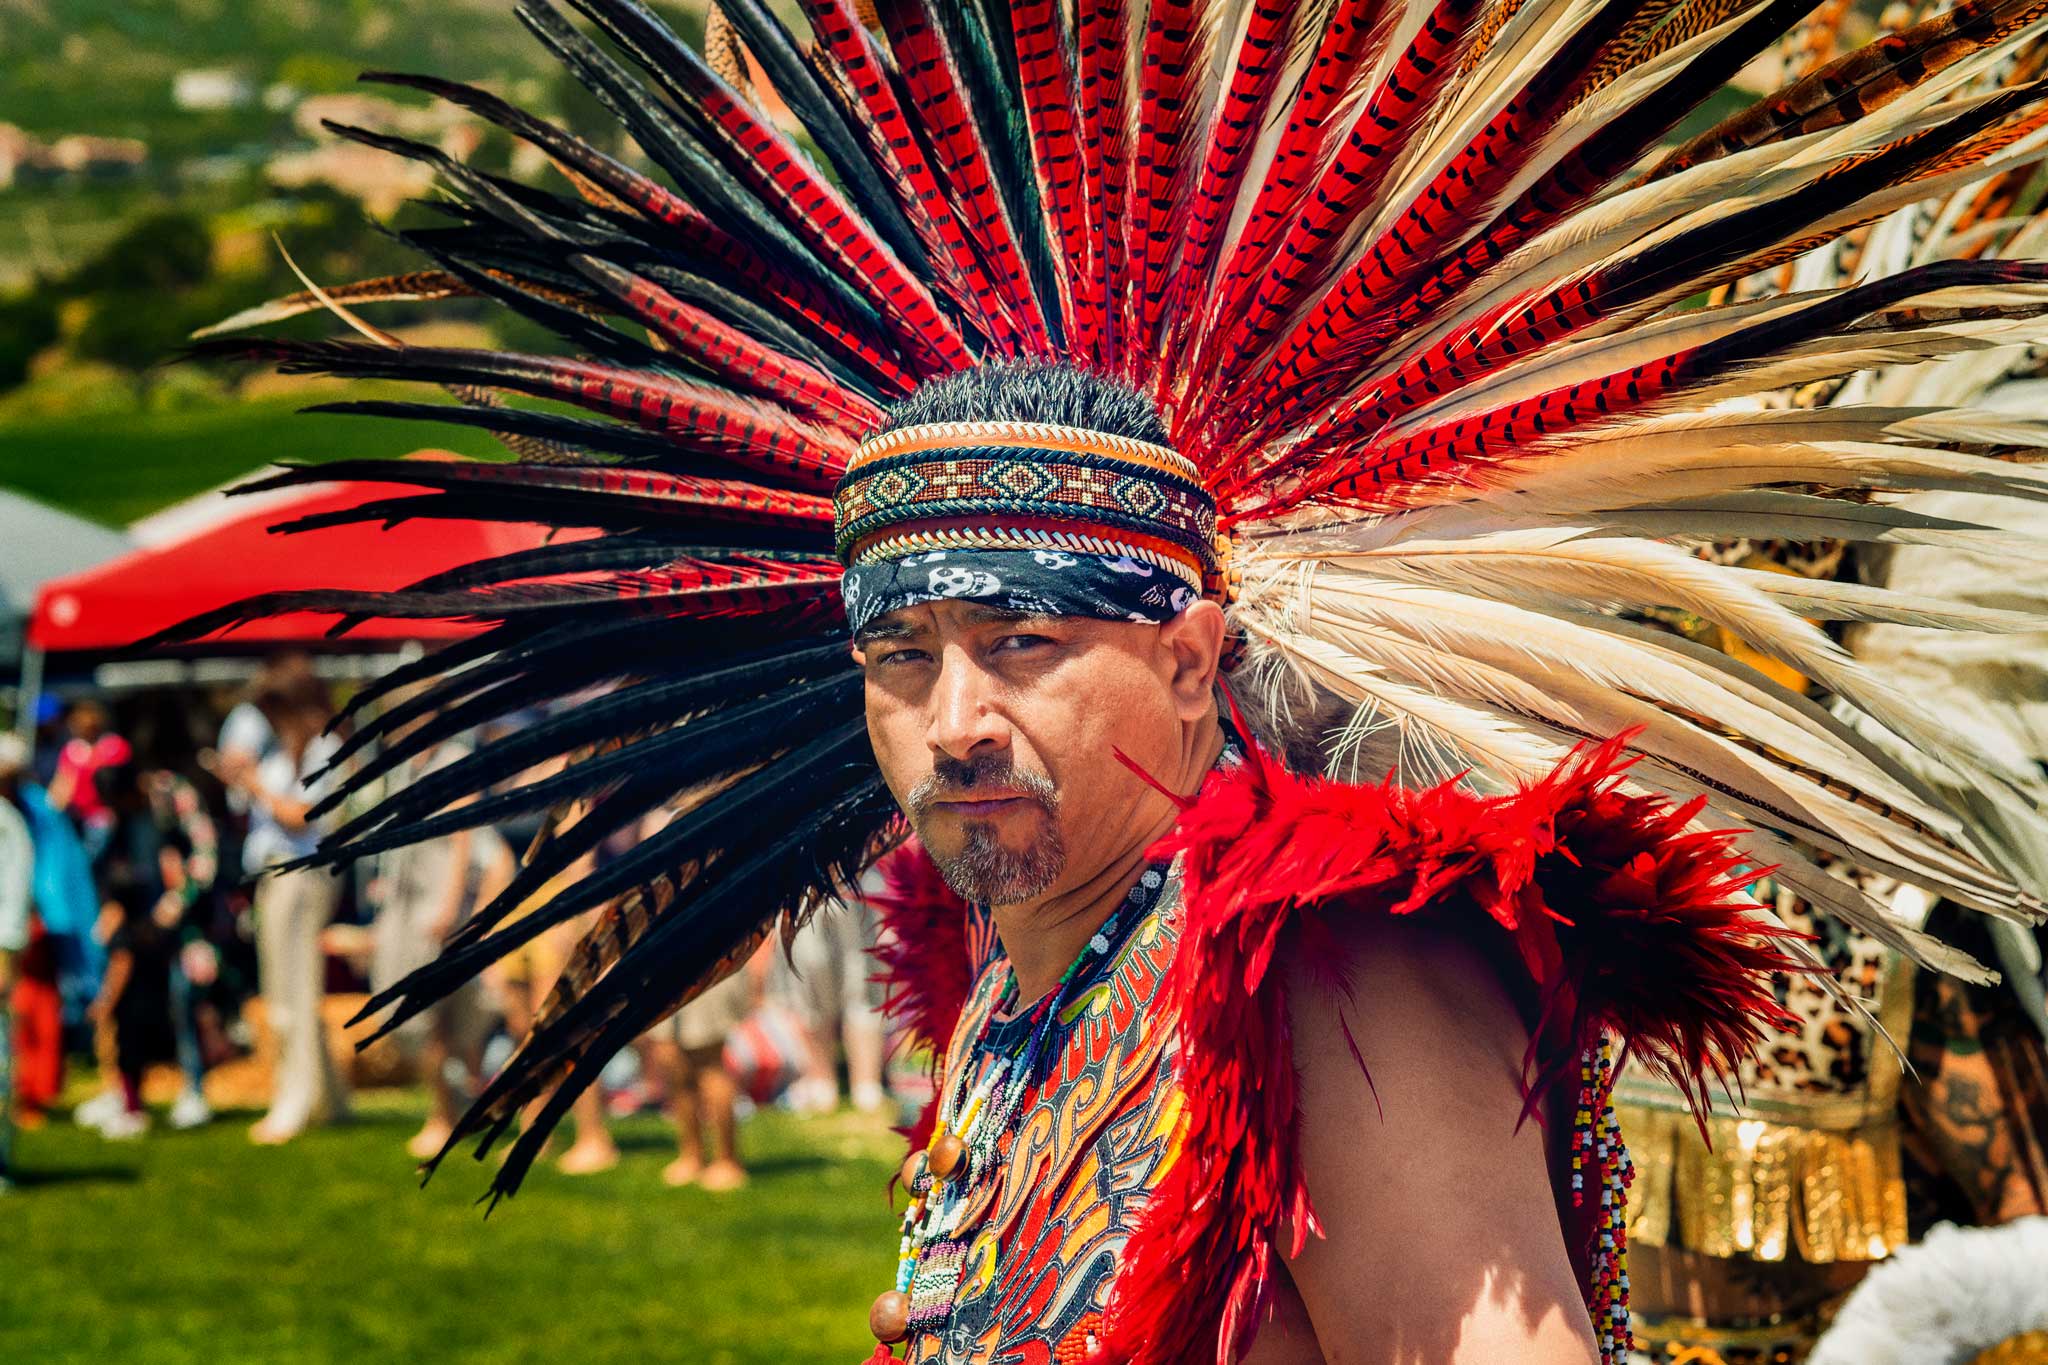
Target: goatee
{"x":983,"y":869}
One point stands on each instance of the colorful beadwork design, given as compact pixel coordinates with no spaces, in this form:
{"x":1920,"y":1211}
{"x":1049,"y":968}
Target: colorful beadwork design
{"x":1089,"y":493}
{"x":980,"y":1115}
{"x":1597,"y":1151}
{"x":923,"y":540}
{"x":1095,"y":1126}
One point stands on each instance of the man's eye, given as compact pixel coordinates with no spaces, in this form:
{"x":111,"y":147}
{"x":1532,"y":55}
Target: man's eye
{"x":902,"y":656}
{"x":1023,"y":641}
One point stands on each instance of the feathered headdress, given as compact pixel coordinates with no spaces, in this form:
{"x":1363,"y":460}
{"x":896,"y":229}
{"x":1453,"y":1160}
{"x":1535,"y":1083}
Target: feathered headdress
{"x":1416,"y":286}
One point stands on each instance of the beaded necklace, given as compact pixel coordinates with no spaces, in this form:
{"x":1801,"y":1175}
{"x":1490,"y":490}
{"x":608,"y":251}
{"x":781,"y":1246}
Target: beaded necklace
{"x":966,"y":1142}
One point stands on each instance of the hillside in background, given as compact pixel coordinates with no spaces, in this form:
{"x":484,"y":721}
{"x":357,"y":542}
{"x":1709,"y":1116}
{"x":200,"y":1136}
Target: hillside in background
{"x":157,"y":158}
{"x":145,"y":102}
{"x":111,"y":67}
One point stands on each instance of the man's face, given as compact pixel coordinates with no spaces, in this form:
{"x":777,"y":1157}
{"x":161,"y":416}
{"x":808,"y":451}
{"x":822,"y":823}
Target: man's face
{"x":997,"y":733}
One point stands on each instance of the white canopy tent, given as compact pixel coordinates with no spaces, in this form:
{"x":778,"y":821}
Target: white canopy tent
{"x":38,"y":543}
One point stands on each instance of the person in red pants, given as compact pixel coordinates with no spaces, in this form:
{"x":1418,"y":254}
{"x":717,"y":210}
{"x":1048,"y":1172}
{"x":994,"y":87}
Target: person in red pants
{"x":31,"y":1050}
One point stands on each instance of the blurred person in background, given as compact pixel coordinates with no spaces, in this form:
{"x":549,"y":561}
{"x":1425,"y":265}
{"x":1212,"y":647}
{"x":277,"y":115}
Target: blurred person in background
{"x":134,"y":999}
{"x":292,"y":908}
{"x":63,"y":961}
{"x":190,"y":867}
{"x":828,"y":980}
{"x":247,"y":735}
{"x":689,"y":1047}
{"x":92,"y":746}
{"x":17,"y":882}
{"x":424,"y":892}
{"x":526,"y":976}
{"x":161,"y":845}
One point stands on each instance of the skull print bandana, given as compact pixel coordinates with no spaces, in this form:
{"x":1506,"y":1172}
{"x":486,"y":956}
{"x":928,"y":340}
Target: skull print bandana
{"x":1041,"y":582}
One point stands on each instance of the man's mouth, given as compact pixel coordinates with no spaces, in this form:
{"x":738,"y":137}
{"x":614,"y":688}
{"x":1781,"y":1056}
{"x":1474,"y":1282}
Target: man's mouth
{"x":981,"y":807}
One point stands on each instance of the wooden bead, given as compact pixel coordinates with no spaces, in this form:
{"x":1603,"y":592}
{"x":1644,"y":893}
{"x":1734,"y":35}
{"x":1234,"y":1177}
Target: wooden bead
{"x":948,"y":1156}
{"x":889,"y":1319}
{"x":913,"y":1165}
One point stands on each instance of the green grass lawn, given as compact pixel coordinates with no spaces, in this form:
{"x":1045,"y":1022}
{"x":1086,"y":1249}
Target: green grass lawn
{"x":198,"y":1247}
{"x":115,"y":464}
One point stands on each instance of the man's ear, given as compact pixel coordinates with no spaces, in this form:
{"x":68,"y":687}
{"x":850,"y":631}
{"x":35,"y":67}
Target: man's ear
{"x":1193,"y":642}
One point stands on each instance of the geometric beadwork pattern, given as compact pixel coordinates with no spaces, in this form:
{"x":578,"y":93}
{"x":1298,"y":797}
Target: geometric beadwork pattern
{"x":1087,"y":493}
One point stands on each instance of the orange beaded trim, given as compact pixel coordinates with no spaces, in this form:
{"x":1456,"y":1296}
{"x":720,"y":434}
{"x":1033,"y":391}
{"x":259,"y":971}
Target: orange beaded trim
{"x":1039,"y":435}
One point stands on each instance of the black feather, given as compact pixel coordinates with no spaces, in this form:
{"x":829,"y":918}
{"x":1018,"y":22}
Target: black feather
{"x":741,"y":891}
{"x":625,"y":551}
{"x":697,"y":175}
{"x":632,"y":444}
{"x":741,"y":811}
{"x":445,"y":664}
{"x":763,"y":33}
{"x":603,"y":662}
{"x":693,"y":752}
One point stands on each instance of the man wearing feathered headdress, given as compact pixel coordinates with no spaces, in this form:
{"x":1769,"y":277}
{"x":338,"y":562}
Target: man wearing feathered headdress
{"x":1042,"y":677}
{"x":1348,"y":351}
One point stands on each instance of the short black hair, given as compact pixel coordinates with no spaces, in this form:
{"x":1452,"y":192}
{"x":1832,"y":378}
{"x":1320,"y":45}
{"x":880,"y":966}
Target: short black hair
{"x":1032,"y":391}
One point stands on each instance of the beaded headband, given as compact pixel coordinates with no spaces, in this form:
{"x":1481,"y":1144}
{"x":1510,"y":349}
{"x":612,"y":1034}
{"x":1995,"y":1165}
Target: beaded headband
{"x":1006,"y":485}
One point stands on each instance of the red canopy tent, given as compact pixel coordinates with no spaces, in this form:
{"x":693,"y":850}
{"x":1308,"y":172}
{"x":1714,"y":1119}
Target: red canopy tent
{"x":110,"y":607}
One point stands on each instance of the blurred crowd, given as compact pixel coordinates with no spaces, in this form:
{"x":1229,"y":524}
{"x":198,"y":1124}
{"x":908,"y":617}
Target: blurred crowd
{"x":154,"y":914}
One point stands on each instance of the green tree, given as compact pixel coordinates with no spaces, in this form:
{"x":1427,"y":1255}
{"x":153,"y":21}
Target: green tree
{"x":134,"y":329}
{"x":166,"y":250}
{"x":27,"y":325}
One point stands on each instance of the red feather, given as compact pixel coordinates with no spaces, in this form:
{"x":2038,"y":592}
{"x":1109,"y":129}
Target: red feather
{"x":1349,"y":183}
{"x":1288,"y":178}
{"x":861,"y":68}
{"x":569,"y":490}
{"x":689,"y":589}
{"x":1233,"y":134}
{"x":1626,"y":921}
{"x":927,"y":70}
{"x":700,"y":420}
{"x":1103,"y":39}
{"x":829,"y":226}
{"x":738,"y":587}
{"x":695,"y":233}
{"x":1171,"y":72}
{"x":1048,"y":90}
{"x":926,"y":959}
{"x":726,"y":350}
{"x":1312,"y":361}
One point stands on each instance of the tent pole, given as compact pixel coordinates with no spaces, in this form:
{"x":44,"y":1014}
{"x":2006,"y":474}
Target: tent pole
{"x":29,"y":696}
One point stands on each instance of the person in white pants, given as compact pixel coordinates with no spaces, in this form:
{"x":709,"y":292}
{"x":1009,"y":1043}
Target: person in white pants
{"x":291,"y":910}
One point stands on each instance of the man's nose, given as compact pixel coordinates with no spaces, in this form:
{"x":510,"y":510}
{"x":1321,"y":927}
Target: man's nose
{"x":963,"y":720}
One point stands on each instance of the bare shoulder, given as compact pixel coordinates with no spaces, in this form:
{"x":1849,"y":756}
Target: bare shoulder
{"x":1442,"y":1240}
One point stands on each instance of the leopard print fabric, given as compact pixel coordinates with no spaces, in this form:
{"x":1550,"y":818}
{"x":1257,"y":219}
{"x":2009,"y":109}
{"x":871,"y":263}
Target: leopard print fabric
{"x":1831,"y":1052}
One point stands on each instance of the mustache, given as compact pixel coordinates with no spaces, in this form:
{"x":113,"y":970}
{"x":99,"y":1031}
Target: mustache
{"x":958,"y":779}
